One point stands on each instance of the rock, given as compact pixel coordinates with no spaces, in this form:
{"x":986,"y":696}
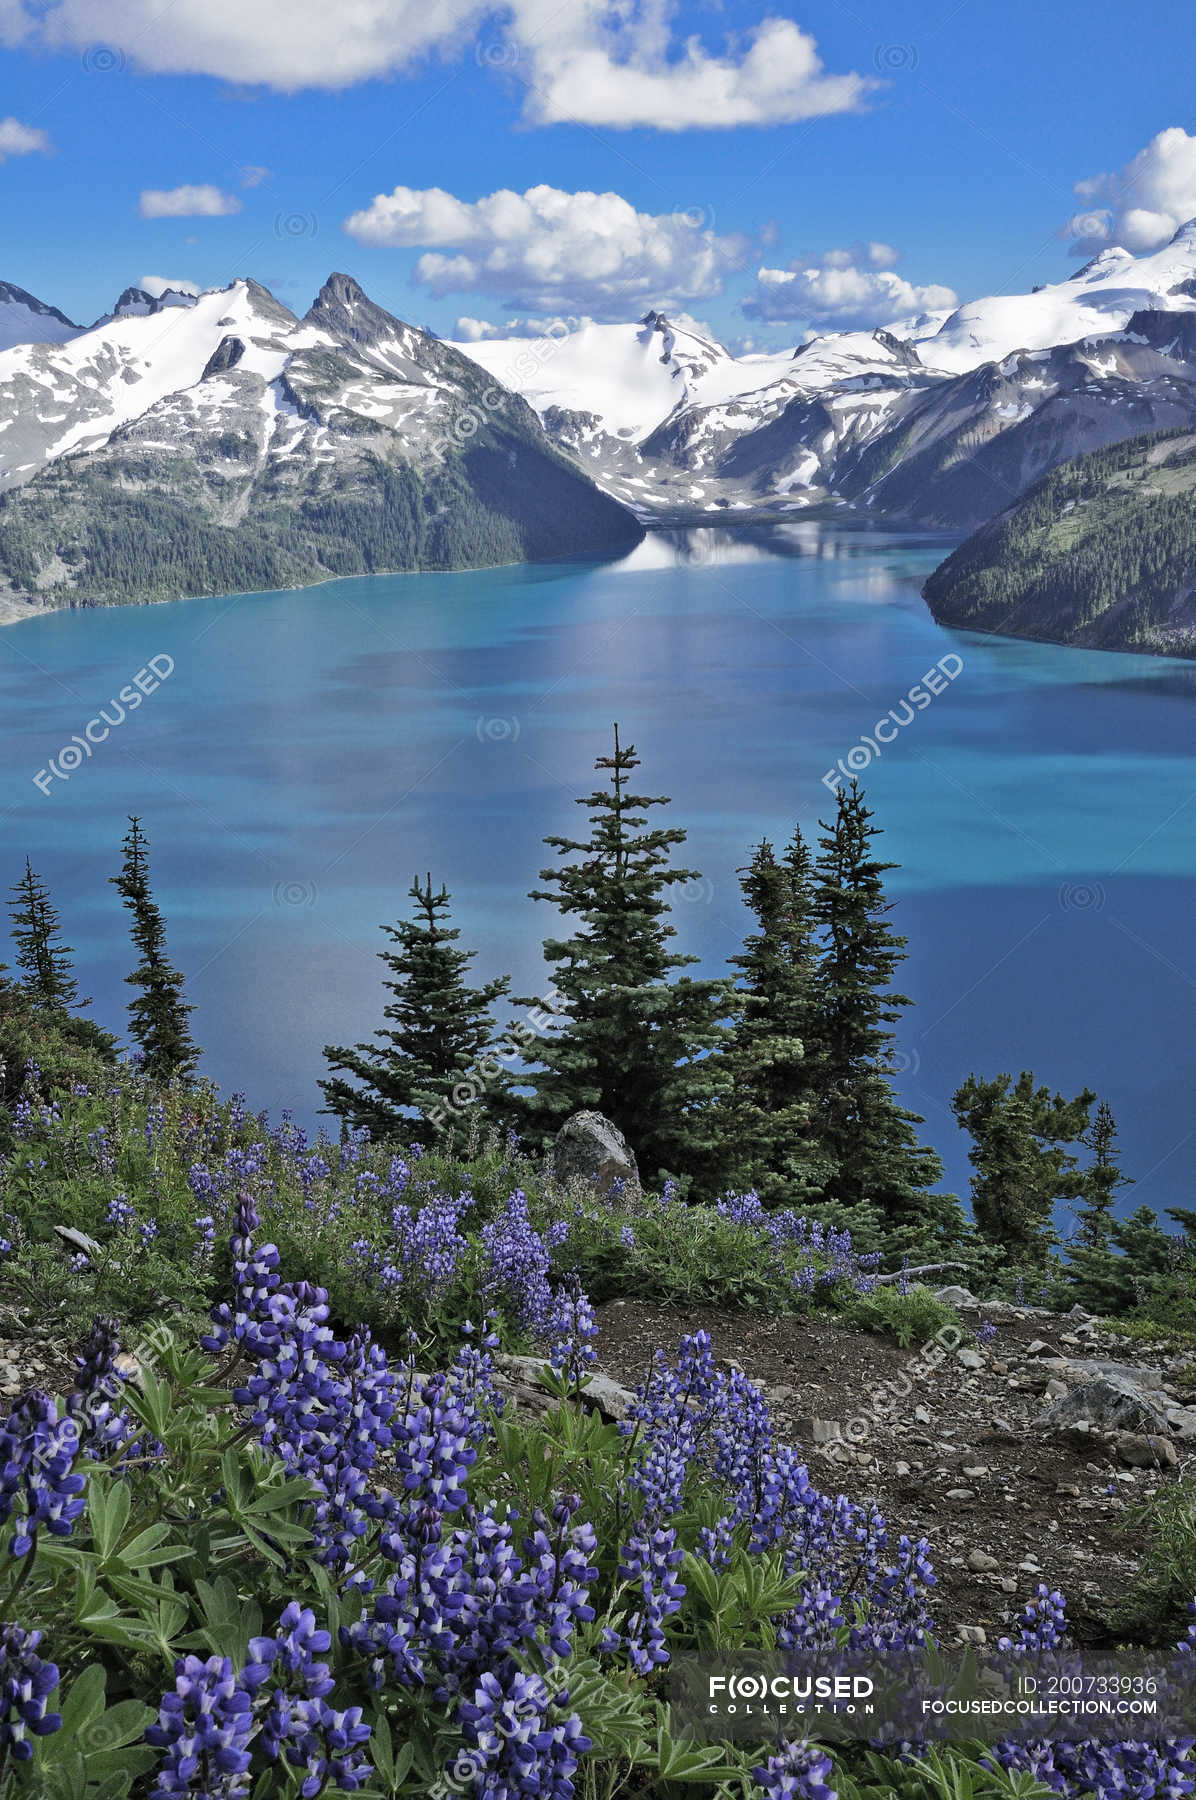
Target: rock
{"x":588,"y":1147}
{"x":960,"y":1494}
{"x":971,"y":1634}
{"x":1145,"y":1452}
{"x":1106,"y":1401}
{"x":608,"y":1397}
{"x":982,"y":1562}
{"x":970,"y":1359}
{"x":522,"y":1368}
{"x":955,"y":1296}
{"x":78,"y":1240}
{"x":1056,"y":1389}
{"x":921,"y":1415}
{"x":1182,"y":1420}
{"x":1140,"y":1376}
{"x":1040,"y":1348}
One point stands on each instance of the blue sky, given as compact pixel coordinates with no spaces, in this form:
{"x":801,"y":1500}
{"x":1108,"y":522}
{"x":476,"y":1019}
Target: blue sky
{"x":934,"y":147}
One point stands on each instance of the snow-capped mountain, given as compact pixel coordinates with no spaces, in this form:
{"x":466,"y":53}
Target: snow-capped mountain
{"x":225,"y":444}
{"x":27,"y":320}
{"x":946,"y":424}
{"x":1098,"y":299}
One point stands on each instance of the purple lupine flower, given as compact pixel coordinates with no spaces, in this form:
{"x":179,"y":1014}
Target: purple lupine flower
{"x":38,"y":1485}
{"x":527,"y":1747}
{"x":517,"y":1264}
{"x":799,"y":1771}
{"x":121,"y":1212}
{"x":26,"y":1683}
{"x":204,"y":1725}
{"x":97,"y":1384}
{"x":571,"y":1330}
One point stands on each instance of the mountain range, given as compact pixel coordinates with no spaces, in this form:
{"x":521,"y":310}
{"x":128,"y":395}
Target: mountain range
{"x":943,"y":421}
{"x":217,"y":442}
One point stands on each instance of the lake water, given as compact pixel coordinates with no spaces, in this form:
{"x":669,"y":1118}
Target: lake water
{"x":310,"y":751}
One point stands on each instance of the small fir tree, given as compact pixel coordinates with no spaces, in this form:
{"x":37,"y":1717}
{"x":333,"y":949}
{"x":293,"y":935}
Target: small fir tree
{"x":1023,"y":1166}
{"x":434,"y":1058}
{"x":44,"y":961}
{"x":770,"y":1060}
{"x":158,"y":1017}
{"x":869,"y":1138}
{"x":635,"y":1035}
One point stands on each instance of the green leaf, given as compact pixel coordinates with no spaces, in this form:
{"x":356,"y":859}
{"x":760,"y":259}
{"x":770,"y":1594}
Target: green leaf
{"x":84,"y":1702}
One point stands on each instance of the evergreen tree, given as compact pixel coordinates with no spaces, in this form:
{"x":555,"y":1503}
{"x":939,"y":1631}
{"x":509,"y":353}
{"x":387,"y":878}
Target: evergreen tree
{"x":1020,"y":1135}
{"x":635,"y":1035}
{"x":434,"y":1056}
{"x":1153,"y":1257}
{"x":870,"y":1139}
{"x":1096,"y":1273}
{"x":769,"y":1064}
{"x":45,"y":962}
{"x":159,"y":1014}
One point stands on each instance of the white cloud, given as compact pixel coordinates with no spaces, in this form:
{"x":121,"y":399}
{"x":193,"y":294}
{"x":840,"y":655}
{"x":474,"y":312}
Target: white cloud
{"x":189,"y":202}
{"x":598,"y":62}
{"x":253,"y":175}
{"x":584,"y":253}
{"x":21,"y":140}
{"x":469,"y":330}
{"x":1142,"y":205}
{"x":157,"y":285}
{"x":606,"y":65}
{"x":844,"y":290}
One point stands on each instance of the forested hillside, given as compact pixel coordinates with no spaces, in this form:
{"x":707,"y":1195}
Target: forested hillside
{"x":1101,"y":552}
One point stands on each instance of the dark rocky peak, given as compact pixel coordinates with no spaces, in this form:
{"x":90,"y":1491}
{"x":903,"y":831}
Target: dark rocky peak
{"x":226,"y":355}
{"x":11,"y":295}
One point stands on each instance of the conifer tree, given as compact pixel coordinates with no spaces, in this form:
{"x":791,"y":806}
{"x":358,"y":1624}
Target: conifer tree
{"x":869,"y":1137}
{"x":769,"y":1064}
{"x":635,"y":1035}
{"x":1020,"y":1135}
{"x":1096,"y":1273}
{"x":158,"y":1017}
{"x":44,"y":961}
{"x":434,"y":1056}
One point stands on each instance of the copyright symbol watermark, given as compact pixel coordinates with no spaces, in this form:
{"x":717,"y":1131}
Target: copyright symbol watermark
{"x":892,"y":58}
{"x":1082,"y":896}
{"x":103,"y":59}
{"x":497,"y":731}
{"x":295,"y":893}
{"x":296,"y":224}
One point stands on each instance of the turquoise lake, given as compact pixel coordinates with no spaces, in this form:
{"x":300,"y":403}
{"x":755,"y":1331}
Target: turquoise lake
{"x":310,"y":751}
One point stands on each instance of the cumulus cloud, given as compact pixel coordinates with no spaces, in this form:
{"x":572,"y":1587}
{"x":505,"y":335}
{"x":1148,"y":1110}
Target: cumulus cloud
{"x":598,"y":62}
{"x":1142,"y":205}
{"x":598,"y":65}
{"x":583,"y":252}
{"x":157,"y":285}
{"x":844,"y":290}
{"x":469,"y":330}
{"x":188,"y":202}
{"x":21,"y":140}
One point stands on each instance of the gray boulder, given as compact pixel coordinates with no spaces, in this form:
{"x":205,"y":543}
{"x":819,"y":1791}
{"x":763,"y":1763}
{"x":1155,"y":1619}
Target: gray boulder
{"x":1140,"y":1451}
{"x":1108,"y":1402}
{"x":588,"y":1147}
{"x":77,"y":1240}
